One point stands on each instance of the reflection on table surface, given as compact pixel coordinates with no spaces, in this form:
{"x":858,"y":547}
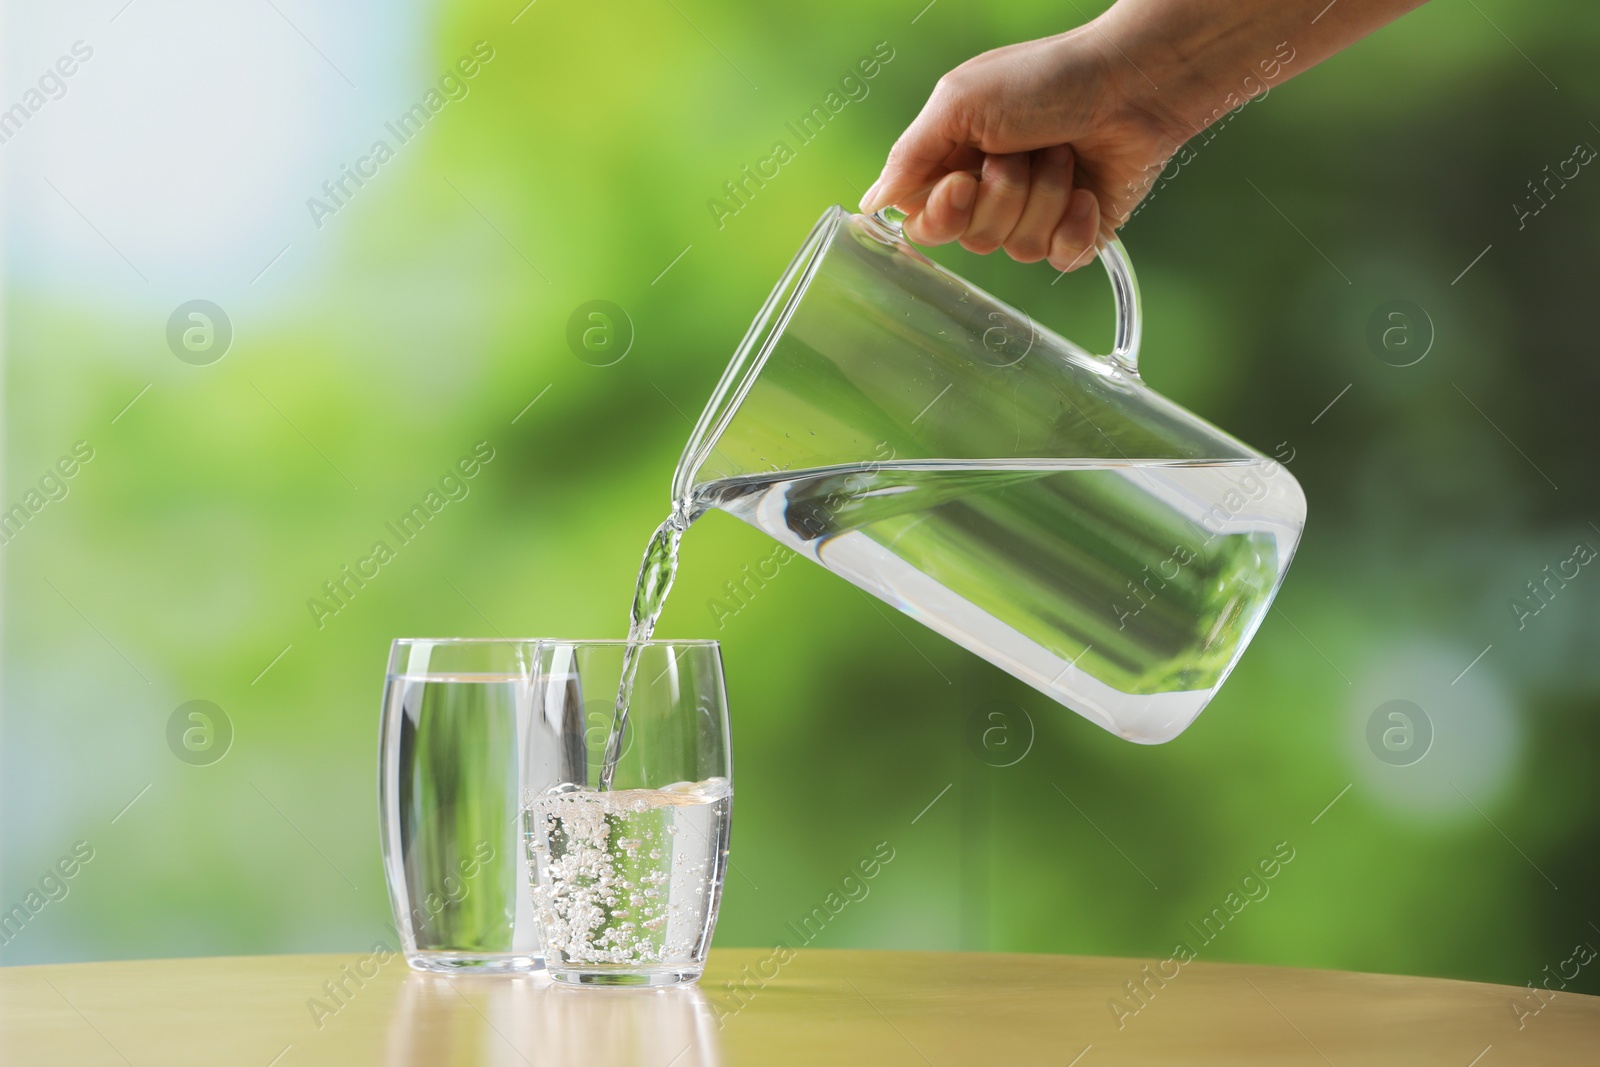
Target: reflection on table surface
{"x":502,"y":1022}
{"x":794,"y":1008}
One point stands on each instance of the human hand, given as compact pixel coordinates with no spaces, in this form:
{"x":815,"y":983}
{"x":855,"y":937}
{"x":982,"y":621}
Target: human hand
{"x":1042,"y":148}
{"x":1045,"y":148}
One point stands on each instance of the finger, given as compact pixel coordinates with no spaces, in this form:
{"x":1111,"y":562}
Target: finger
{"x":1073,"y":243}
{"x":1120,"y":211}
{"x":964,"y":158}
{"x":916,"y":161}
{"x":1002,"y":195}
{"x":947,"y":212}
{"x":1116,"y":210}
{"x":1049,"y":187}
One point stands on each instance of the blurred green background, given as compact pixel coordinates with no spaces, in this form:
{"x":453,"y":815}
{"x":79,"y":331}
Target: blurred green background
{"x":373,"y":350}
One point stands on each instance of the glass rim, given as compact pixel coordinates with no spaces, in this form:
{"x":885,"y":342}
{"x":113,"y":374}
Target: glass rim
{"x":666,"y":642}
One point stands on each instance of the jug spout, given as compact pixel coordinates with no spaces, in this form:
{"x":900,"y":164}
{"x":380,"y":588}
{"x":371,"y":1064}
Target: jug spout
{"x":1037,"y":504}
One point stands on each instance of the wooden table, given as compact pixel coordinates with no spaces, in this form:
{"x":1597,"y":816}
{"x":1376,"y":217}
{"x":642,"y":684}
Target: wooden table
{"x":818,"y":1008}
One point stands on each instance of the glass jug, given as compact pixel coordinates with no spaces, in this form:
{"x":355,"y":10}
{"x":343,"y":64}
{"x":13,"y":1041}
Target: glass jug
{"x":1037,"y":504}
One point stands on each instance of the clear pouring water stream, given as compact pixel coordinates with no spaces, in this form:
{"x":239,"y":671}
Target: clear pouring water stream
{"x":656,"y":572}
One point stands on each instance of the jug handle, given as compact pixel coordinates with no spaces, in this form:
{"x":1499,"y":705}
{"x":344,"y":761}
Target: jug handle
{"x":1124,"y":289}
{"x":1130,"y":314}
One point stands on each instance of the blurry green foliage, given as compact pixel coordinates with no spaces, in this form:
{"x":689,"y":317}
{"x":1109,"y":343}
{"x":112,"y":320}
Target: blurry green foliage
{"x":418,"y":325}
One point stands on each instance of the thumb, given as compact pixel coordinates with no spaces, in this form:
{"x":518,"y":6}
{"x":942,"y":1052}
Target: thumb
{"x":916,"y":162}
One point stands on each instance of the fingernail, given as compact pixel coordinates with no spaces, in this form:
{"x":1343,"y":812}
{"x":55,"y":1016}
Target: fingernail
{"x":1064,"y":255}
{"x":868,"y":200}
{"x":1079,"y":209}
{"x":961,"y":196}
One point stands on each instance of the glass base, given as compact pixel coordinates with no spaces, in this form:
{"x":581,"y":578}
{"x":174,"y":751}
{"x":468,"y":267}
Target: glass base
{"x":473,"y":963}
{"x":599,"y":974}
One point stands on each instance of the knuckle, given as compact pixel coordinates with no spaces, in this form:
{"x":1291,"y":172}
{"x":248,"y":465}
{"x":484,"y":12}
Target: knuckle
{"x":1006,"y":180}
{"x":1027,"y":247}
{"x":897,"y":156}
{"x":951,"y":84}
{"x":1049,"y":176}
{"x":956,"y":106}
{"x":948,"y":101}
